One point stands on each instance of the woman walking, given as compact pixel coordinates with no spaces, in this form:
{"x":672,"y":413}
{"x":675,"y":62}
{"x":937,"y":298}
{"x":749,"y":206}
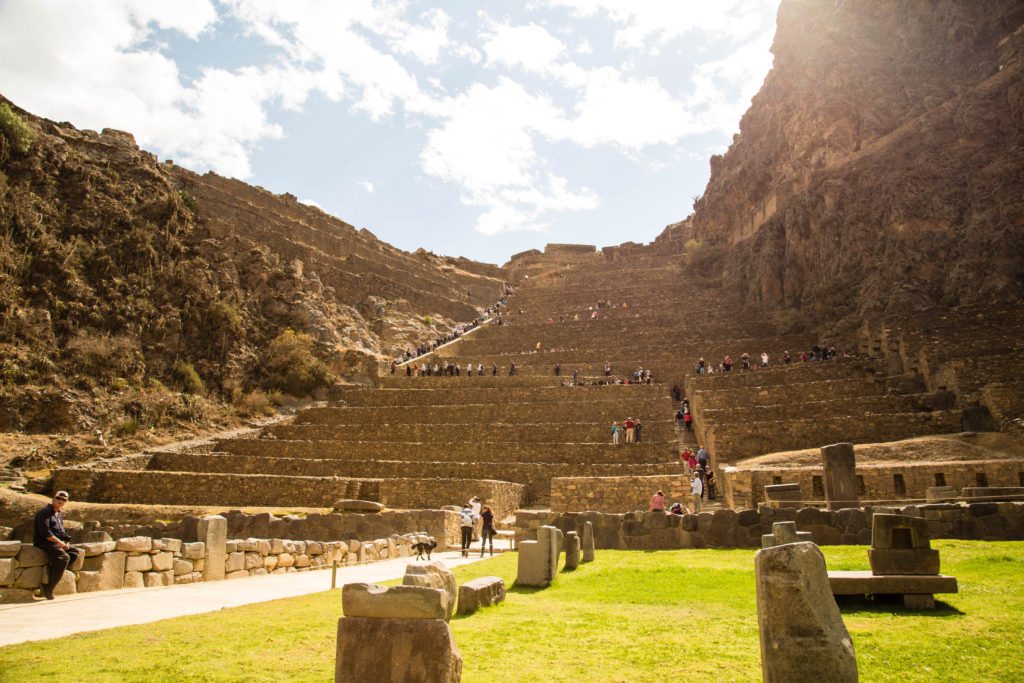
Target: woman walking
{"x":487,"y":536}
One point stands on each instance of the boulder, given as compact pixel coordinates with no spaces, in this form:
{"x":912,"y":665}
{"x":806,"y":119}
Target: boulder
{"x":7,"y":567}
{"x":182,"y":567}
{"x":133,"y":580}
{"x":572,"y":550}
{"x":139,"y":563}
{"x":482,"y":592}
{"x":88,"y":582}
{"x":31,"y":556}
{"x":803,"y":637}
{"x":396,"y":650}
{"x":193,"y":551}
{"x":371,"y":601}
{"x":432,"y":575}
{"x":98,"y":548}
{"x":235,"y":562}
{"x":66,"y":585}
{"x":11,"y":595}
{"x":9,"y":548}
{"x":28,"y":578}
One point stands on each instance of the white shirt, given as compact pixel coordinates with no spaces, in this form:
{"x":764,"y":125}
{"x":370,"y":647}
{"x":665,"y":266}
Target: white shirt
{"x":696,"y":486}
{"x":466,"y":517}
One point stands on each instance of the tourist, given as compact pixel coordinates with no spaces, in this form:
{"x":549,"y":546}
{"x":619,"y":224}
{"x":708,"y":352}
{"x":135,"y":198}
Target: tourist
{"x":629,"y":425}
{"x":696,"y":491}
{"x":558,"y":369}
{"x":479,"y":369}
{"x":679,"y":419}
{"x":488,"y":531}
{"x":469,"y":369}
{"x":726,"y":363}
{"x":636,"y":429}
{"x":744,"y":361}
{"x":494,"y":369}
{"x":709,"y":481}
{"x":575,"y":378}
{"x":49,"y":536}
{"x":702,"y":366}
{"x":615,"y":432}
{"x":688,"y":420}
{"x":676,"y":509}
{"x":512,"y":369}
{"x":657,"y":502}
{"x":786,"y":358}
{"x":764,"y":359}
{"x":685,"y":456}
{"x":474,"y":505}
{"x":607,"y":369}
{"x":702,"y":456}
{"x":466,"y":520}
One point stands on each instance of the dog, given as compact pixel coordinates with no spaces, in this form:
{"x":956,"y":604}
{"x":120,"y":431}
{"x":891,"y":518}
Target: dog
{"x":424,"y":548}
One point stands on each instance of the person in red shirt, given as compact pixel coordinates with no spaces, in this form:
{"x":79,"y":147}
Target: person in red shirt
{"x":629,"y":426}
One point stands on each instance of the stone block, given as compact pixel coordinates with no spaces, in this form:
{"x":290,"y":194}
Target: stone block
{"x":230,"y":547}
{"x":172,"y":544}
{"x":276,"y":546}
{"x":263,"y":547}
{"x":839,"y":463}
{"x":246,"y":546}
{"x":482,"y":592}
{"x":213,"y":532}
{"x":432,"y":574}
{"x":194,"y":577}
{"x":235,"y":562}
{"x":29,"y":577}
{"x":302,"y":560}
{"x":396,"y":650}
{"x":906,"y":561}
{"x":9,"y":548}
{"x":163,"y":561}
{"x":66,"y":585}
{"x":252,"y":560}
{"x":199,"y":564}
{"x":94,"y":549}
{"x":134,"y":544}
{"x":87,"y":582}
{"x":690,"y":522}
{"x":31,"y":556}
{"x":899,"y":532}
{"x":240,"y":574}
{"x":803,"y":637}
{"x":111,"y":569}
{"x":371,"y":601}
{"x":193,"y":551}
{"x":270,"y":562}
{"x":133,"y":580}
{"x":7,"y":567}
{"x":14,"y":595}
{"x":783,"y":533}
{"x":747,"y":518}
{"x":314,"y":548}
{"x":182,"y":567}
{"x":139,"y":563}
{"x":154,"y":579}
{"x":285,"y":560}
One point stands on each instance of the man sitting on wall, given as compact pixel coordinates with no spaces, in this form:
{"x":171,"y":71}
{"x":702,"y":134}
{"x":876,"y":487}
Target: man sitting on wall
{"x":50,"y":537}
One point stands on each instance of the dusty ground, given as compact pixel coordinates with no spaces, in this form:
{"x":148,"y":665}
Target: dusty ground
{"x":968,"y":446}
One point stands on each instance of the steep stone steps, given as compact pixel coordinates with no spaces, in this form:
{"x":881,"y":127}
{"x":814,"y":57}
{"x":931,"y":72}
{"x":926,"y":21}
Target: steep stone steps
{"x":865,"y":406}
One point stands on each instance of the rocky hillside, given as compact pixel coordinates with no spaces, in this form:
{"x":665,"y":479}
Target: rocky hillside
{"x":135,"y":293}
{"x":879,"y":169}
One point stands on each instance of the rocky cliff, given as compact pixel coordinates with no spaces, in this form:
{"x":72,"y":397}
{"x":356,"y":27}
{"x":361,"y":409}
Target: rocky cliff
{"x":121,"y":277}
{"x":880,"y":168}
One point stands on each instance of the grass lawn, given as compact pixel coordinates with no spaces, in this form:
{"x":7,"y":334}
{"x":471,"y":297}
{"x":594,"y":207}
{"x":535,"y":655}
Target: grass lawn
{"x":629,"y":616}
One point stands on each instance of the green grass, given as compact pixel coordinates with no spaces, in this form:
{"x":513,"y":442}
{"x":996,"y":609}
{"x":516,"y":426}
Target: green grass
{"x":629,"y":616}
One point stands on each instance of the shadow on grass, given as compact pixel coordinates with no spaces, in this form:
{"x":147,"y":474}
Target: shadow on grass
{"x":525,"y":590}
{"x":891,"y":604}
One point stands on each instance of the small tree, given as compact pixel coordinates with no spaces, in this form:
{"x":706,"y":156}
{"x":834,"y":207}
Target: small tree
{"x":289,"y":364}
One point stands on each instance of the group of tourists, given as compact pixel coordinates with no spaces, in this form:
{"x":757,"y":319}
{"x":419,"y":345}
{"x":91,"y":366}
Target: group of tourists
{"x":684,"y":418}
{"x":816,"y":353}
{"x":632,"y":428}
{"x":698,"y":486}
{"x":471,"y":513}
{"x":699,"y":464}
{"x":446,"y":369}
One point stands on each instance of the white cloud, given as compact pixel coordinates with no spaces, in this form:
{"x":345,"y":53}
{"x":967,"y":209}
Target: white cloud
{"x":366,"y":185}
{"x":645,"y":23}
{"x":584,"y":47}
{"x":723,"y":88}
{"x":311,"y":202}
{"x":530,"y":47}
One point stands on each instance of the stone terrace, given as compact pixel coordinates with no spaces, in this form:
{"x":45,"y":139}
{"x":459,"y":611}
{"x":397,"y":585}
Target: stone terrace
{"x":532,"y":440}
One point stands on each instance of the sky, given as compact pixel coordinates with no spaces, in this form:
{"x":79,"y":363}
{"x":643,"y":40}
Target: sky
{"x":477,"y":129}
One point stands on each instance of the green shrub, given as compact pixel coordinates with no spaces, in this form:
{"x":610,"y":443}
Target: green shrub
{"x":188,"y":379}
{"x":288,"y":364}
{"x":17,"y":131}
{"x":255,"y":404}
{"x":126,"y":428}
{"x":190,"y":202}
{"x":427,"y":320}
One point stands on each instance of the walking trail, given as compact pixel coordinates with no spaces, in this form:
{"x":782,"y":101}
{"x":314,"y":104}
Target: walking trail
{"x":83,"y":612}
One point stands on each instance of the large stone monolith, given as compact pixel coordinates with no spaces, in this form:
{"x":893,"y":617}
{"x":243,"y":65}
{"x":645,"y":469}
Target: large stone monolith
{"x":538,"y":560}
{"x":572,"y":550}
{"x":213,"y":532}
{"x":840,"y":465}
{"x":803,"y":637}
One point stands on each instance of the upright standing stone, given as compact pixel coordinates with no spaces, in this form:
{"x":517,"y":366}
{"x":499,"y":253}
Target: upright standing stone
{"x":901,"y":545}
{"x":572,"y":550}
{"x":213,"y":532}
{"x":840,"y":476}
{"x":803,"y":637}
{"x":538,"y":560}
{"x":783,"y":533}
{"x":588,"y":541}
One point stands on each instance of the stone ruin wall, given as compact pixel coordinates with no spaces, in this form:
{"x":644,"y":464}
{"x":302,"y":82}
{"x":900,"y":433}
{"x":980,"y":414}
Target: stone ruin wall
{"x":889,"y":483}
{"x":640,"y":530}
{"x":201,"y":488}
{"x":616,"y":494}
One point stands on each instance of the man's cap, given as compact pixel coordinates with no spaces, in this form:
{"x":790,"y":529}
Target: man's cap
{"x":63,"y":495}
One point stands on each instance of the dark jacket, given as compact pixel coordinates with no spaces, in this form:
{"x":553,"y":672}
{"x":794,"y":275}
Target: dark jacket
{"x":48,"y":523}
